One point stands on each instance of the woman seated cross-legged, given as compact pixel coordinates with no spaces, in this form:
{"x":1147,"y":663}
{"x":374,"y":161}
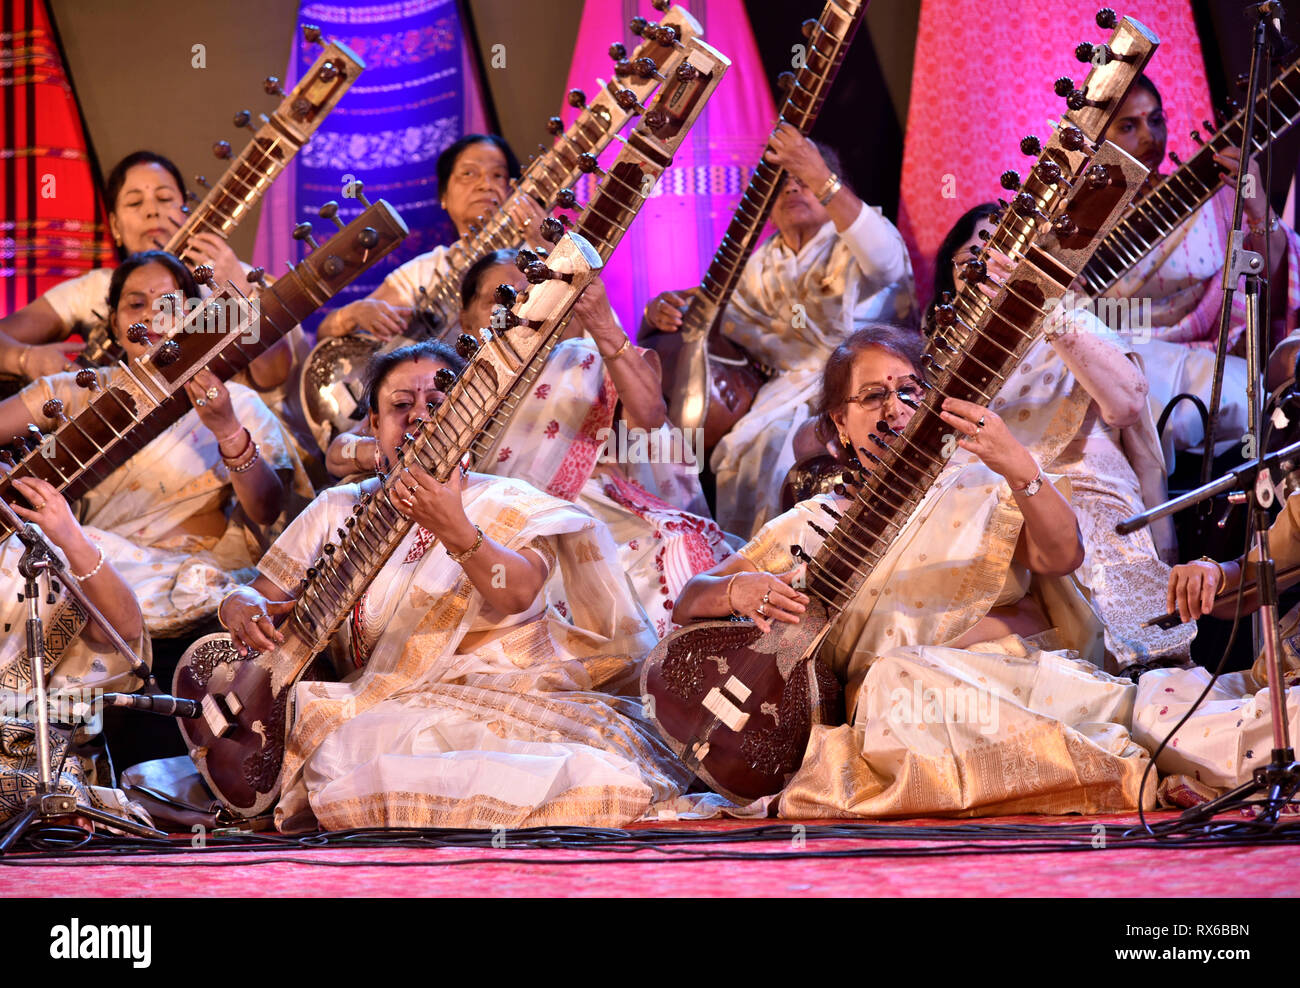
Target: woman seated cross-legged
{"x":960,"y":697}
{"x":496,"y":653}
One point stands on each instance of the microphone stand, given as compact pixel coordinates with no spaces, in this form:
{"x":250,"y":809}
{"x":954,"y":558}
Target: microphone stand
{"x":38,"y":559}
{"x":1280,"y":778}
{"x":1239,"y":262}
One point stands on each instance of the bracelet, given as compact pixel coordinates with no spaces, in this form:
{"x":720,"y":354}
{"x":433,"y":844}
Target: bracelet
{"x":1223,"y":575}
{"x":248,"y":464}
{"x":619,"y":352}
{"x":832,"y":186}
{"x":460,"y":557}
{"x":98,"y":565}
{"x":1266,"y":228}
{"x":734,"y":613}
{"x":243,"y":452}
{"x":220,"y":620}
{"x":232,"y":436}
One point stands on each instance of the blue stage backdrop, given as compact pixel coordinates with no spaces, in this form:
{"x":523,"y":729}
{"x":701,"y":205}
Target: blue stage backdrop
{"x":418,"y":94}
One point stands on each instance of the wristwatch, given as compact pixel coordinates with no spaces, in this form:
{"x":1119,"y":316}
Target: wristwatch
{"x":1031,"y":488}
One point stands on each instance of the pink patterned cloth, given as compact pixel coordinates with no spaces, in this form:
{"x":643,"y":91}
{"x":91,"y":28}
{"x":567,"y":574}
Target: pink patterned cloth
{"x":967,"y":114}
{"x":682,"y":223}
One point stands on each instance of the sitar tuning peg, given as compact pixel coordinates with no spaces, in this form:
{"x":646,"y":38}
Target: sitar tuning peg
{"x":204,"y":274}
{"x":1072,"y":138}
{"x":1178,"y":162}
{"x":647,"y":68}
{"x":1010,"y":180}
{"x":577,"y":99}
{"x":330,"y":211}
{"x":1030,"y":144}
{"x":1063,"y":86}
{"x":506,"y":294}
{"x":244,"y":118}
{"x":588,"y":164}
{"x":686,"y":72}
{"x":786,"y":81}
{"x":358,"y":192}
{"x":974,"y":270}
{"x":566,"y":199}
{"x":368,"y":237}
{"x":808,"y":27}
{"x":661,"y":5}
{"x":555,"y":126}
{"x":303,"y":232}
{"x":466,"y":345}
{"x":444,"y":380}
{"x":626,"y":100}
{"x":257,"y":277}
{"x":637,"y":25}
{"x":7,"y":457}
{"x":53,"y":409}
{"x":1098,"y":177}
{"x":33,"y":437}
{"x":538,"y":273}
{"x":271,"y":85}
{"x":221,"y":149}
{"x":1208,"y":127}
{"x":1048,"y":172}
{"x":311,"y":35}
{"x":88,"y":379}
{"x":524,"y":258}
{"x":168,"y":352}
{"x":137,"y":333}
{"x":552,"y":230}
{"x":202,"y":180}
{"x":1064,"y":226}
{"x":618,"y":51}
{"x":328,"y":72}
{"x":1107,"y":19}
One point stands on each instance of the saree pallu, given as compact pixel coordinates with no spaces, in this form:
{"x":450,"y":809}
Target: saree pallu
{"x":1011,"y":726}
{"x":644,"y":485}
{"x":465,"y":718}
{"x":1048,"y":410}
{"x":132,"y":515}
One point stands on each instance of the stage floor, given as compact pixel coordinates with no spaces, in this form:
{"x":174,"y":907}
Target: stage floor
{"x":955,"y":867}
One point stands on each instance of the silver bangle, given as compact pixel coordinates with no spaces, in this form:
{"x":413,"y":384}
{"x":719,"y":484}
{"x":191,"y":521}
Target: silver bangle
{"x":98,"y":566}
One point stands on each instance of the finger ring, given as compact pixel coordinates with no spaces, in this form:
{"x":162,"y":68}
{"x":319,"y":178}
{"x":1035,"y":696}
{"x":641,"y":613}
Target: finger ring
{"x":528,"y":222}
{"x":40,"y":506}
{"x":213,"y":393}
{"x":262,"y":617}
{"x":767,"y":596}
{"x":980,"y":423}
{"x":200,"y":402}
{"x":762,"y":610}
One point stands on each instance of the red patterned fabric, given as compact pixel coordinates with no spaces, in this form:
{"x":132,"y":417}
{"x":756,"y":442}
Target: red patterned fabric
{"x":52,"y":223}
{"x":581,"y":458}
{"x":671,"y":243}
{"x":967,"y":114}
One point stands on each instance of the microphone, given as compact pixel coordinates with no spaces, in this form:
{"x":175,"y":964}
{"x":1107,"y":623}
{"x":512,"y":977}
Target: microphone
{"x":162,"y":704}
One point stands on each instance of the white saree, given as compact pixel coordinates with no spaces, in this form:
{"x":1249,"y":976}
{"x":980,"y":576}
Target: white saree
{"x":790,"y":310}
{"x":134,"y":514}
{"x":568,"y":441}
{"x":461,"y":717}
{"x":1007,"y":726}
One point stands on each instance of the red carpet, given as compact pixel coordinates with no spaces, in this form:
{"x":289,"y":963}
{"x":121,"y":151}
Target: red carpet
{"x":1255,"y":871}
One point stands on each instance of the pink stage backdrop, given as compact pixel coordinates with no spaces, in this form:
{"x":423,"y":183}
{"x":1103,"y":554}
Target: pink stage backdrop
{"x":673,"y":240}
{"x":967,"y":114}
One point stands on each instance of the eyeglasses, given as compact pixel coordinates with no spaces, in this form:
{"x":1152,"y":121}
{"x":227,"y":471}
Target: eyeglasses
{"x":908,"y":394}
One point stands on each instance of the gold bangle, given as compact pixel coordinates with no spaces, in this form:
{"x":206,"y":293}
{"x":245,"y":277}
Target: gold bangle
{"x":619,"y":352}
{"x":220,"y":620}
{"x":460,"y":557}
{"x":1223,"y":574}
{"x":734,"y":613}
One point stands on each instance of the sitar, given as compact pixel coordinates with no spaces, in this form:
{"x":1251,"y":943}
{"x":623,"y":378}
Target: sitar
{"x":709,"y":381}
{"x":737,"y":705}
{"x":239,"y":743}
{"x":144,"y":396}
{"x":1192,"y":183}
{"x":280,"y":136}
{"x":331,"y":385}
